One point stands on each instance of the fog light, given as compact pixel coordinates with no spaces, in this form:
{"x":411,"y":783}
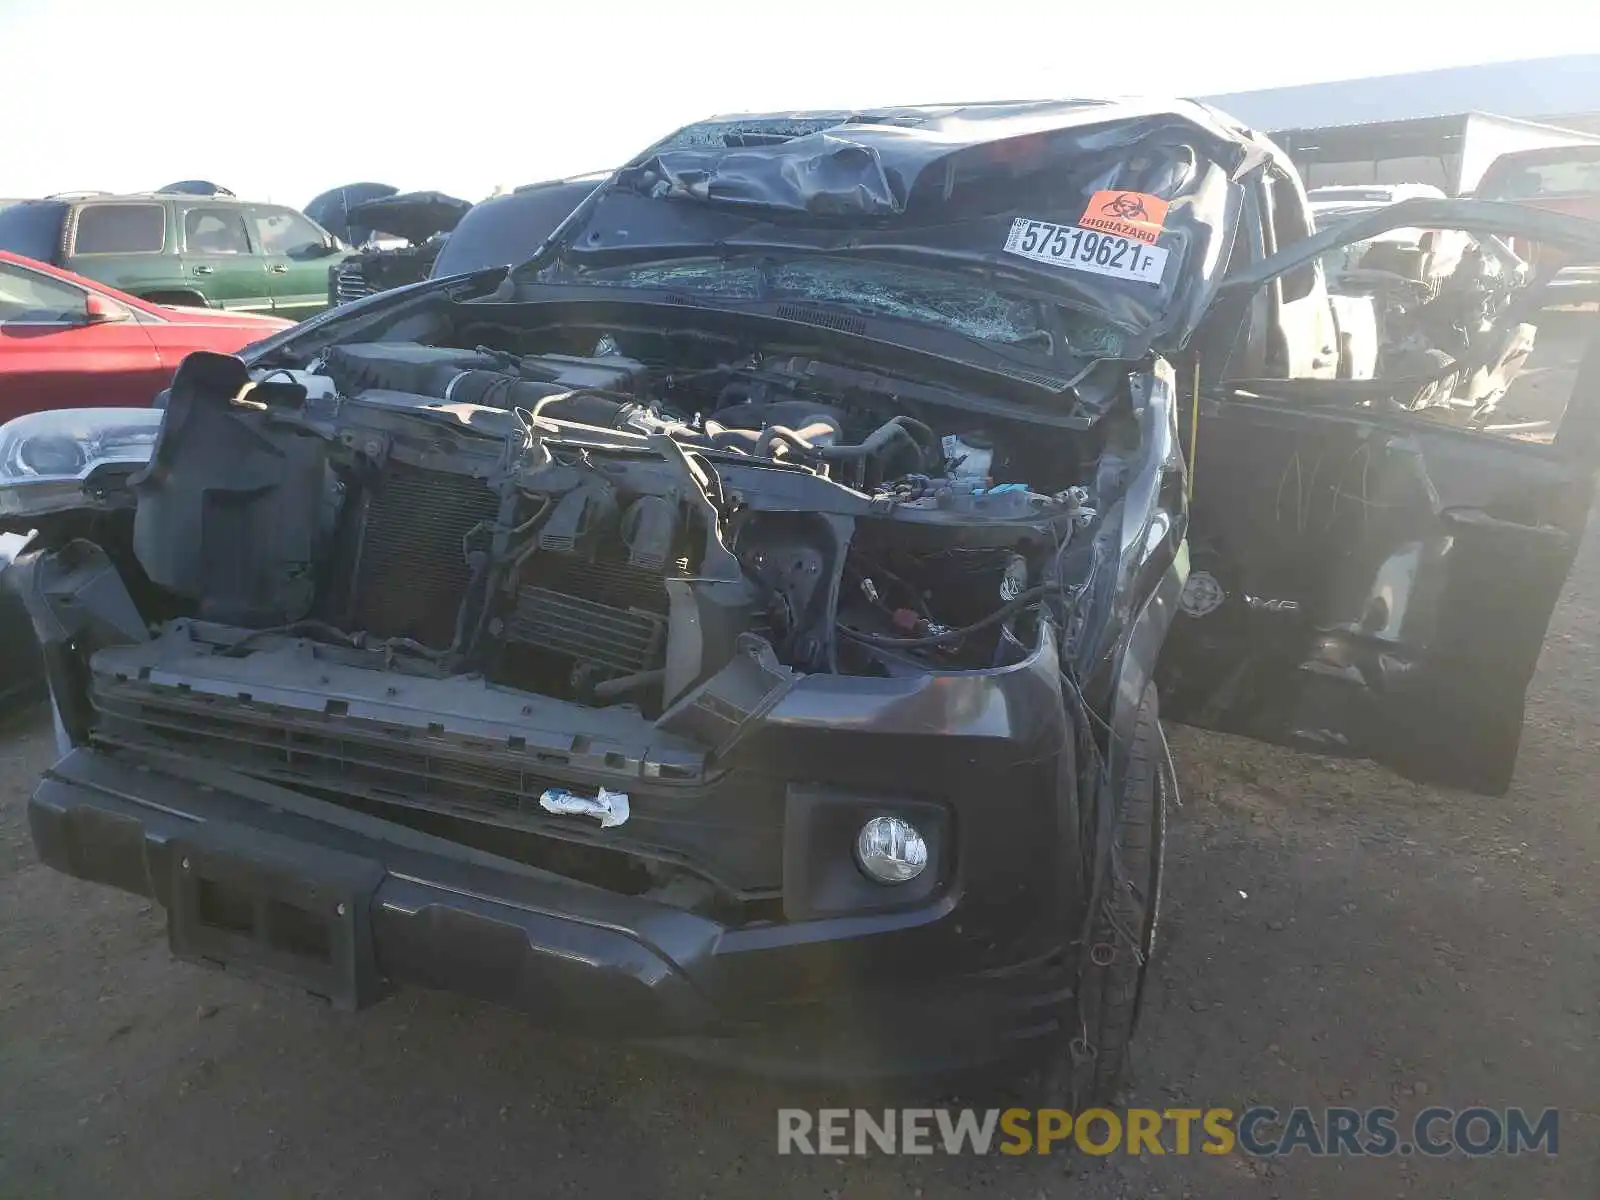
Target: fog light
{"x":890,"y":850}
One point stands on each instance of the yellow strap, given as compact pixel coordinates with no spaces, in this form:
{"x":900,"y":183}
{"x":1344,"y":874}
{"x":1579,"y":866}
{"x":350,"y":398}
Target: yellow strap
{"x":242,"y":399}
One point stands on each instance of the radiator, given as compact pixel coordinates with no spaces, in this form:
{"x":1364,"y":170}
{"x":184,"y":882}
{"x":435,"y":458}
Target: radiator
{"x":625,"y":640}
{"x":411,"y":574}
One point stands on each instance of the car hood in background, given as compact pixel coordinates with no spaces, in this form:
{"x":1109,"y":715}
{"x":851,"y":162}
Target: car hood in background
{"x":196,"y":187}
{"x":415,"y":216}
{"x":510,"y":228}
{"x":332,"y":208}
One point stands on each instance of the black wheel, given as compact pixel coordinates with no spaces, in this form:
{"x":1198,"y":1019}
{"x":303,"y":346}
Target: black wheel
{"x":1110,"y":989}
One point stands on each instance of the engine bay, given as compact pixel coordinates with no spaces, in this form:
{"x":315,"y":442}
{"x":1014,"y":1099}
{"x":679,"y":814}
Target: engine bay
{"x":602,"y":531}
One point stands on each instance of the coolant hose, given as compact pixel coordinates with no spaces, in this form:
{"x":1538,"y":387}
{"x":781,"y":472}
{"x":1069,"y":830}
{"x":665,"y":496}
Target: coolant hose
{"x":723,"y":438}
{"x":803,"y":440}
{"x":893,"y":430}
{"x":931,"y":449}
{"x":872,"y":444}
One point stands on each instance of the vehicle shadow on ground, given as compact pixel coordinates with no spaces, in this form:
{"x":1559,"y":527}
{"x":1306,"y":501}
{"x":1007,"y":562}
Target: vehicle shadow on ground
{"x":1333,"y":935}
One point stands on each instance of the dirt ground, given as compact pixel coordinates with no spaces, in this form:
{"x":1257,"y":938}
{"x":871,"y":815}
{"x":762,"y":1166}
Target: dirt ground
{"x":1333,"y":936}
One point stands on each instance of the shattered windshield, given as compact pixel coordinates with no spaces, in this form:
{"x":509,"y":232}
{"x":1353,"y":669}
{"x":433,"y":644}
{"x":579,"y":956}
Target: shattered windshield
{"x":879,"y":289}
{"x":1060,"y":227}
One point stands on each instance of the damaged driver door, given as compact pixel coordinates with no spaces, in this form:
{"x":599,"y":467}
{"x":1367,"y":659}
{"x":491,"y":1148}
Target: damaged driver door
{"x":1374,"y":562}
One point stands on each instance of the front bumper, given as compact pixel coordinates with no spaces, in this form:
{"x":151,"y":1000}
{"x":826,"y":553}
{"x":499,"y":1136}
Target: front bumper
{"x":272,"y":883}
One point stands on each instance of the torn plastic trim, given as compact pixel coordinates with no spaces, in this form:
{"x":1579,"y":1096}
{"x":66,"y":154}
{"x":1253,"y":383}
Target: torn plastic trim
{"x":75,"y":595}
{"x":1019,"y":702}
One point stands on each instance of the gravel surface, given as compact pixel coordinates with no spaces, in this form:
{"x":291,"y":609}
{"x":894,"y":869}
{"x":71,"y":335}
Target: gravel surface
{"x":1333,"y":935}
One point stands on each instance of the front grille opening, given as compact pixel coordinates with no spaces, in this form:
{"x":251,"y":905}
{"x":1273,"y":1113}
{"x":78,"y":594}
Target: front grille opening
{"x":219,"y":906}
{"x":349,"y":282}
{"x":464,"y":791}
{"x":614,"y":870}
{"x":768,"y":910}
{"x":301,"y":933}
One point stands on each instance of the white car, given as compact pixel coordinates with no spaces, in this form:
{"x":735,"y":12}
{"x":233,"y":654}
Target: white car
{"x":1362,"y":196}
{"x":1427,"y":256}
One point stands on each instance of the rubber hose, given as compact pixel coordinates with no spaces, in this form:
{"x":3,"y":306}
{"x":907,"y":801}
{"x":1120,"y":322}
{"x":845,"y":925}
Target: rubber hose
{"x":803,"y":440}
{"x":495,"y":389}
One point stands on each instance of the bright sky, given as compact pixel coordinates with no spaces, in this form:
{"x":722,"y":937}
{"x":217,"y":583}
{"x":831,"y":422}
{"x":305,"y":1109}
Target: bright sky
{"x":281,"y":100}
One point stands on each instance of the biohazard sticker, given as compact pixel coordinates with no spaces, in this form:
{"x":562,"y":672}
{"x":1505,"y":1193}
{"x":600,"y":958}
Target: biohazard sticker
{"x":1086,"y":250}
{"x":1126,"y":214}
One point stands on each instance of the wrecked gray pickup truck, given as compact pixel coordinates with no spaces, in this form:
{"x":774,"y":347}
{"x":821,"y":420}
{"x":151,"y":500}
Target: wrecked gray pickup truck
{"x":739,"y":628}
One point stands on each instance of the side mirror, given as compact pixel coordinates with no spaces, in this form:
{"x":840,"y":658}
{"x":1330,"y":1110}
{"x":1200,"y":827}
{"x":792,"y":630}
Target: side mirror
{"x":316,"y":250}
{"x":102,"y":310}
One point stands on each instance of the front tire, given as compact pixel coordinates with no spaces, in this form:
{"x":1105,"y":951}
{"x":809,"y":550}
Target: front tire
{"x":1110,"y":988}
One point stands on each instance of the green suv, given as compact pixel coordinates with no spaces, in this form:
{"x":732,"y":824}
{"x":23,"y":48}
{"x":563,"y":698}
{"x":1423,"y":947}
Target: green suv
{"x":171,"y":248}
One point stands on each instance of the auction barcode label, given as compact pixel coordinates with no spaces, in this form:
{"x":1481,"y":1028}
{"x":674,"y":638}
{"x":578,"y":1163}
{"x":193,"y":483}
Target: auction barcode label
{"x":1086,"y":250}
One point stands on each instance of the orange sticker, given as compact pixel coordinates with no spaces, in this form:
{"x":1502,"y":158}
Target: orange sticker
{"x":1136,"y":215}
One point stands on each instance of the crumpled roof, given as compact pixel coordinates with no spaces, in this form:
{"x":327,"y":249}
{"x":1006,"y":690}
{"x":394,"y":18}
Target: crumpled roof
{"x":869,"y":162}
{"x":816,"y":173}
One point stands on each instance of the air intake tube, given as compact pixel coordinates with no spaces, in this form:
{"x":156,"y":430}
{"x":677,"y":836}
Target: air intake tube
{"x":494,"y":389}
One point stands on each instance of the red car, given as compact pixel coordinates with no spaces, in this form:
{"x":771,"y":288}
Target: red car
{"x":1559,"y":179}
{"x":68,"y":342}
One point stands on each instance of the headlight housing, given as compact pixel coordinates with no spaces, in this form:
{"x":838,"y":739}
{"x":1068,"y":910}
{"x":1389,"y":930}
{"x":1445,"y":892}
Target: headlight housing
{"x":48,"y":460}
